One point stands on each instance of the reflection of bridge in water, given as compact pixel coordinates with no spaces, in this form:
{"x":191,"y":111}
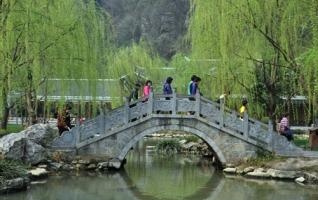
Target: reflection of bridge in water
{"x":231,"y":138}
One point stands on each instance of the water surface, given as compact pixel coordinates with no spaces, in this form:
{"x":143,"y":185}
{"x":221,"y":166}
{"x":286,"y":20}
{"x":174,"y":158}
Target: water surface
{"x":148,"y":176}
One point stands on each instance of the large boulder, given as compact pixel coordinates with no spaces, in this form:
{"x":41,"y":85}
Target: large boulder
{"x":28,"y":145}
{"x":14,"y":185}
{"x":34,"y":153}
{"x":42,"y":134}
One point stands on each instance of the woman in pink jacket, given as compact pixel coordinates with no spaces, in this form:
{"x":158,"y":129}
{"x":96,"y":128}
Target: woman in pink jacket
{"x":147,"y":90}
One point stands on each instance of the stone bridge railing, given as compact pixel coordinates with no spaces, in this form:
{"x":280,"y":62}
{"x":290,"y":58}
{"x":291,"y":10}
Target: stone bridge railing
{"x":176,"y":106}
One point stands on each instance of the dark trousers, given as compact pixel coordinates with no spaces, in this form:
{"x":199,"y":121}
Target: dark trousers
{"x":288,"y":134}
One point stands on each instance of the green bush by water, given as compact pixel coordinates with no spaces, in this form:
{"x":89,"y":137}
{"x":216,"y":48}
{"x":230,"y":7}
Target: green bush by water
{"x":168,"y":147}
{"x":11,"y":169}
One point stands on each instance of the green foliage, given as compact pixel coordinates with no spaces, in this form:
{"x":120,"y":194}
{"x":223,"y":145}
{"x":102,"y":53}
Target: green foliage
{"x":191,"y":138}
{"x":168,"y":147}
{"x":259,"y":52}
{"x":42,"y":39}
{"x":12,"y":128}
{"x":11,"y":169}
{"x":263,"y":157}
{"x":235,"y":46}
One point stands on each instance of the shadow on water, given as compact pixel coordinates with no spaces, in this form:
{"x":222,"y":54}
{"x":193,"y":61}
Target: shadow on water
{"x":207,"y":189}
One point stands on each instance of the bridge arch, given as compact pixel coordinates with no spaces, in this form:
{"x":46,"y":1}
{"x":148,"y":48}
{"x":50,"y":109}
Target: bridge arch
{"x":218,"y":153}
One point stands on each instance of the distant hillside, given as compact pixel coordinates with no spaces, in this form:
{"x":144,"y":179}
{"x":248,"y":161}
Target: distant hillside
{"x":161,"y":22}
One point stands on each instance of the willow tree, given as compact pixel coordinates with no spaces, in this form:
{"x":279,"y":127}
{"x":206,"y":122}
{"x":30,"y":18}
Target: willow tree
{"x":309,"y":76}
{"x":134,"y":64}
{"x":257,"y":42}
{"x":48,"y":39}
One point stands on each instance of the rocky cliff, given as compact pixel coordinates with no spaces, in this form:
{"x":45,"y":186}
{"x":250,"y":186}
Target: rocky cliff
{"x":161,"y":22}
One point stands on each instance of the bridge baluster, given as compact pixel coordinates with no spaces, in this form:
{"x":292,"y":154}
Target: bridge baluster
{"x":221,"y":113}
{"x":270,"y":131}
{"x":174,"y":103}
{"x":126,"y":116}
{"x":150,"y":103}
{"x":245,"y":124}
{"x":197,"y":103}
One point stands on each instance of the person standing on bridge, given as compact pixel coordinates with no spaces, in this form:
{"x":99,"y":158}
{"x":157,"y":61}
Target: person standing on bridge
{"x":134,"y":93}
{"x":147,"y":90}
{"x":167,"y":89}
{"x":243,"y":108}
{"x":193,"y":77}
{"x":195,"y":86}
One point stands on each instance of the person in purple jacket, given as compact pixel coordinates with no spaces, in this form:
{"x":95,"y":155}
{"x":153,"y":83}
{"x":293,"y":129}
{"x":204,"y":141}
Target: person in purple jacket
{"x":195,"y":86}
{"x":167,"y":89}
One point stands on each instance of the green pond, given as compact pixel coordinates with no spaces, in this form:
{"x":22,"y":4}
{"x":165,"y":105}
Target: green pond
{"x":148,"y":176}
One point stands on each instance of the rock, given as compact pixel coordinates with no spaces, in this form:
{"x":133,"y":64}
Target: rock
{"x":311,"y":178}
{"x":42,"y":134}
{"x":67,"y":167}
{"x":14,"y":185}
{"x":12,"y":146}
{"x":102,"y":165}
{"x":300,"y":180}
{"x":28,"y":145}
{"x":259,"y":170}
{"x":230,"y":165}
{"x":248,"y":169}
{"x":230,"y":170}
{"x":79,"y":166}
{"x":74,"y":162}
{"x":42,"y":166}
{"x":258,"y":174}
{"x":34,"y":153}
{"x":189,"y":145}
{"x":38,"y":173}
{"x":114,"y":163}
{"x":182,"y":142}
{"x":296,"y":164}
{"x":239,"y":171}
{"x":91,"y":167}
{"x":55,"y":166}
{"x":84,"y":162}
{"x":279,"y":174}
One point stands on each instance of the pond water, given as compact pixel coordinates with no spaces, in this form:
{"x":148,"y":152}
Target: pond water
{"x":148,"y":176}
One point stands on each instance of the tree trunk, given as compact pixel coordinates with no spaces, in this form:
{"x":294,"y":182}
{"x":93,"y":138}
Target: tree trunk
{"x":5,"y":117}
{"x":31,"y":102}
{"x":31,"y":108}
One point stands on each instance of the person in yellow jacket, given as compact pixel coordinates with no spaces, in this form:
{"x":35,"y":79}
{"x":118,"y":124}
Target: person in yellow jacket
{"x":243,"y":108}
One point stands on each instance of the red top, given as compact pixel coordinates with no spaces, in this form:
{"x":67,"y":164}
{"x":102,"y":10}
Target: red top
{"x":147,"y":90}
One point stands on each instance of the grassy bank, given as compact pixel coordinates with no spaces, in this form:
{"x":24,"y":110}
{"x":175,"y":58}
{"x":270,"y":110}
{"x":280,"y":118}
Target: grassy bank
{"x":12,"y":128}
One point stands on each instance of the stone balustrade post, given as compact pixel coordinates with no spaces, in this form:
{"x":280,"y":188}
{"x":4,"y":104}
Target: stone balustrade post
{"x":174,"y":103}
{"x":150,"y":103}
{"x":78,"y":136}
{"x":222,"y":107}
{"x":245,"y":124}
{"x":271,"y":131}
{"x":126,"y":116}
{"x":197,"y":103}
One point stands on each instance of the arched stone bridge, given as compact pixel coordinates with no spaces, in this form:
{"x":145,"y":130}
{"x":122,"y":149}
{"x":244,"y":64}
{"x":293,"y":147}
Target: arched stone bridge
{"x":113,"y":134}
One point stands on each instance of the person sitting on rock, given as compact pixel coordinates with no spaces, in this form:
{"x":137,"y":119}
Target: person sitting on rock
{"x":284,"y":128}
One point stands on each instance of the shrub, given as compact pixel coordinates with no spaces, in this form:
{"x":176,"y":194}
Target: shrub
{"x":168,"y":147}
{"x":11,"y":169}
{"x":192,"y":138}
